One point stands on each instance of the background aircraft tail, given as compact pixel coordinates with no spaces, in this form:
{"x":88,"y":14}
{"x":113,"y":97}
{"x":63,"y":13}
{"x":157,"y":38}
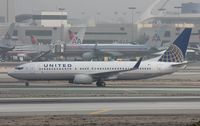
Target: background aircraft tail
{"x":154,"y":40}
{"x":177,"y":51}
{"x":77,"y":38}
{"x":33,"y":40}
{"x":10,"y":31}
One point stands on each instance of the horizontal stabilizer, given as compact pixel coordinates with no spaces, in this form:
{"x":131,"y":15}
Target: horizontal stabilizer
{"x":180,"y":64}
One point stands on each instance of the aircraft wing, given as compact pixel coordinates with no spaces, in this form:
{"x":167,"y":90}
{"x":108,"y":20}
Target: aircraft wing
{"x":102,"y":52}
{"x":42,"y":54}
{"x":112,"y":73}
{"x":114,"y":53}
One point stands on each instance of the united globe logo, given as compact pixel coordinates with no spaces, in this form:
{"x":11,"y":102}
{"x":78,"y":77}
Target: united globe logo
{"x":173,"y":54}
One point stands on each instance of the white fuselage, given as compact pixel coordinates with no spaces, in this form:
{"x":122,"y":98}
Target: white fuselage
{"x":67,"y":70}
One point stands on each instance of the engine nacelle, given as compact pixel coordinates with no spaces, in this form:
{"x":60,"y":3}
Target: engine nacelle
{"x":88,"y":56}
{"x":82,"y":79}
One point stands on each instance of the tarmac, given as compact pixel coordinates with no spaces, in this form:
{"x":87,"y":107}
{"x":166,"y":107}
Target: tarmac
{"x":101,"y":105}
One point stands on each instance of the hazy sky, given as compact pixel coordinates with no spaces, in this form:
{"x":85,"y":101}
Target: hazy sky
{"x":89,"y":8}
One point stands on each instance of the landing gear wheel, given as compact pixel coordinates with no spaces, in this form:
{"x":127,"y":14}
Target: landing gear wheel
{"x":101,"y":84}
{"x":26,"y":84}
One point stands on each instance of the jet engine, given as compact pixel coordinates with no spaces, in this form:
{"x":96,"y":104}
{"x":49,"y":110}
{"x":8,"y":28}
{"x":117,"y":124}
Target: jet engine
{"x":88,"y":56}
{"x":82,"y":79}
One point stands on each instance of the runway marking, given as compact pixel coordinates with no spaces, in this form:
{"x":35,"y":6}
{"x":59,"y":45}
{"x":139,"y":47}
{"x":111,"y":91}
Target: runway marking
{"x":100,"y":111}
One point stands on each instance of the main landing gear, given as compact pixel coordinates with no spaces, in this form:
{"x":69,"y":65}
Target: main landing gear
{"x":100,"y":83}
{"x":27,"y":84}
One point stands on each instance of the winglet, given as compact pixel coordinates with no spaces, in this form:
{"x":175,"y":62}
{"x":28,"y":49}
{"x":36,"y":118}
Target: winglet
{"x":138,"y":63}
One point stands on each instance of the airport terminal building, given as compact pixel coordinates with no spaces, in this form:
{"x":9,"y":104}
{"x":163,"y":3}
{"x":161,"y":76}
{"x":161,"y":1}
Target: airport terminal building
{"x":54,"y":26}
{"x":51,"y":26}
{"x":42,"y":27}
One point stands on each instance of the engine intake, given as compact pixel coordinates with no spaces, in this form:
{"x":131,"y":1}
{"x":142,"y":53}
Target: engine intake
{"x":82,"y":79}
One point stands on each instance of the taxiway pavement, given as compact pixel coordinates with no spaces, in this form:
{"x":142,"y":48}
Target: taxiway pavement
{"x":104,"y":106}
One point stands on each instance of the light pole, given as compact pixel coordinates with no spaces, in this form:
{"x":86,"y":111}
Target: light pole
{"x":7,"y":11}
{"x":178,"y":9}
{"x":98,"y":17}
{"x":82,"y":16}
{"x":162,"y":10}
{"x":82,"y":13}
{"x":62,"y":14}
{"x":132,"y":13}
{"x":116,"y":16}
{"x":62,"y":23}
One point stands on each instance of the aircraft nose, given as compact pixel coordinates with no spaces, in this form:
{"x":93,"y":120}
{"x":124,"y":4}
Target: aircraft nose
{"x":11,"y":74}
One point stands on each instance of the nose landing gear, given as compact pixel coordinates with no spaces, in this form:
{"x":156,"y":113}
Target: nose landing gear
{"x":27,"y":84}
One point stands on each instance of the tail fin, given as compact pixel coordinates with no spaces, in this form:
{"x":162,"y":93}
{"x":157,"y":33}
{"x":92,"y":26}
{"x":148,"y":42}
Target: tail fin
{"x":77,"y":38}
{"x":81,"y":35}
{"x":72,"y":37}
{"x":177,"y":51}
{"x":154,"y":40}
{"x":34,"y":40}
{"x":10,"y":31}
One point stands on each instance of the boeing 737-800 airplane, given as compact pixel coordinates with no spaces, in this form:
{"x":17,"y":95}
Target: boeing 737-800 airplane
{"x":85,"y":72}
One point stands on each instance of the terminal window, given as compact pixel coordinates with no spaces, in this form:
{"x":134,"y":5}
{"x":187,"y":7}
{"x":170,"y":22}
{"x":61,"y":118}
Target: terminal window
{"x":15,"y":33}
{"x":167,"y":34}
{"x":38,"y":32}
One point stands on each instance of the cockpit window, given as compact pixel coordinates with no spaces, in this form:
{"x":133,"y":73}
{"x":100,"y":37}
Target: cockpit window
{"x":19,"y":68}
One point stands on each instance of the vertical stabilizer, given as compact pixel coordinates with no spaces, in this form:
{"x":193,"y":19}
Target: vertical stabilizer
{"x":77,"y":38}
{"x":177,"y":51}
{"x":33,"y":40}
{"x":10,"y":31}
